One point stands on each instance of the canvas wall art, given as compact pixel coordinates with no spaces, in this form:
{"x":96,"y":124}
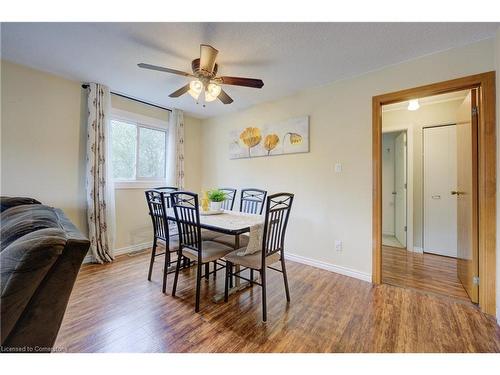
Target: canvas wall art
{"x":285,"y":137}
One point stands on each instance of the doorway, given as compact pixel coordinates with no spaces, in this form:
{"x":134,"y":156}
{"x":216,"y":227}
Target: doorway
{"x":483,"y":150}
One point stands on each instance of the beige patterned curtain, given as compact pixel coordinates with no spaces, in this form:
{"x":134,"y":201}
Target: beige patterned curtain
{"x":175,"y":149}
{"x":99,"y":186}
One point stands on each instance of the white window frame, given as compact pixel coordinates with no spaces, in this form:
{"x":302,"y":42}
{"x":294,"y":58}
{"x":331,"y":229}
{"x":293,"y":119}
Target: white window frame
{"x":140,"y":121}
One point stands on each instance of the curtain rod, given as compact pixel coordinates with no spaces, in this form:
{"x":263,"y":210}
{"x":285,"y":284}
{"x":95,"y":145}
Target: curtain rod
{"x":85,"y":86}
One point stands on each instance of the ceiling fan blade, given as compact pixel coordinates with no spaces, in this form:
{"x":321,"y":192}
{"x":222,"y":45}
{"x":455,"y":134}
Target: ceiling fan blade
{"x":224,"y":97}
{"x":181,"y":91}
{"x":162,"y":69}
{"x":240,"y":81}
{"x":208,"y":54}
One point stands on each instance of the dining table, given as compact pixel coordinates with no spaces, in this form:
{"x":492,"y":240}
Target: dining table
{"x":229,"y":223}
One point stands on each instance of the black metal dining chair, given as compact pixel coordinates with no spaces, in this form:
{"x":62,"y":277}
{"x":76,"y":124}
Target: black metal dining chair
{"x":167,"y":190}
{"x":278,"y":208}
{"x":158,"y":203}
{"x":187,"y":215}
{"x":252,"y":201}
{"x":228,"y":204}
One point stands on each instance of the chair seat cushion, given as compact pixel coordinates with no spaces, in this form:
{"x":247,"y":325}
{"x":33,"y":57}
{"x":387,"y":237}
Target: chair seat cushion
{"x":228,"y":240}
{"x":210,"y":251}
{"x":252,"y":261}
{"x":173,"y":243}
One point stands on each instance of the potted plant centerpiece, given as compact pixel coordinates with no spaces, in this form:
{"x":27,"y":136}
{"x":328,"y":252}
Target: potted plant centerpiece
{"x":216,"y":198}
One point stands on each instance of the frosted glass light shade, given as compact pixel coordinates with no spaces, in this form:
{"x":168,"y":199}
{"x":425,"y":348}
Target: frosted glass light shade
{"x":212,"y":92}
{"x":195,"y":88}
{"x":413,"y":105}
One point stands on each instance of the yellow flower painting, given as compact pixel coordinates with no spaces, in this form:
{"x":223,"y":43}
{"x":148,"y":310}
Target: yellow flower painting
{"x":286,"y":137}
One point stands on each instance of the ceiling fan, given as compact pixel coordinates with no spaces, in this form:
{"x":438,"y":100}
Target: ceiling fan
{"x":204,"y":78}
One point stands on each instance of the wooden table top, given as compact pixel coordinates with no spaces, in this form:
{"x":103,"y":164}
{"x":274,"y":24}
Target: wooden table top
{"x":228,"y":222}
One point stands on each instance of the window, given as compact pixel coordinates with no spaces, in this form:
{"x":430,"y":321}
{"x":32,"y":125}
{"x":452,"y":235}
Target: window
{"x":138,"y":150}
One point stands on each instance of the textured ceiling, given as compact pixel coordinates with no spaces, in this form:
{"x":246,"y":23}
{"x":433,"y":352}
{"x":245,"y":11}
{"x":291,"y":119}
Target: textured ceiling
{"x":287,"y":56}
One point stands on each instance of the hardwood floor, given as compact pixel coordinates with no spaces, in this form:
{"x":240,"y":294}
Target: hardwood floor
{"x":425,"y":272}
{"x":113,"y":308}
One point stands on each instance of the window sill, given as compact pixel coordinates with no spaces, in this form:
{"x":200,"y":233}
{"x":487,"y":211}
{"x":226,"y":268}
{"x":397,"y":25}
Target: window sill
{"x":119,"y":185}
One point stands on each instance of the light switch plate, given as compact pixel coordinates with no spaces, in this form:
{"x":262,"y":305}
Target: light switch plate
{"x":338,"y":167}
{"x":338,"y":245}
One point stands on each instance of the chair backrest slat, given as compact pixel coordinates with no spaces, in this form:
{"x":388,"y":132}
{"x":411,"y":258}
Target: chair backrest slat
{"x":278,"y":208}
{"x":228,"y":204}
{"x":252,"y":201}
{"x":186,"y":210}
{"x":167,"y":190}
{"x":157,"y":205}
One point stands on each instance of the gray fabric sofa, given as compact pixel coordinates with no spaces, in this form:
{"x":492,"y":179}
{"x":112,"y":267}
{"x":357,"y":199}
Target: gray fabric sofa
{"x":41,"y":254}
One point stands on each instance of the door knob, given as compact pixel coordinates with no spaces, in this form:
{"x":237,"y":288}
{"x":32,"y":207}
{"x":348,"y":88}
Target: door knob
{"x":453,"y":192}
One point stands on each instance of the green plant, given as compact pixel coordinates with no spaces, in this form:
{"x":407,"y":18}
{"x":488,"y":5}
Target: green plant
{"x":216,"y":195}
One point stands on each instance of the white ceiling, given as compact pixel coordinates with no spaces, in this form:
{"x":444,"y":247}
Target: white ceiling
{"x":288,"y":57}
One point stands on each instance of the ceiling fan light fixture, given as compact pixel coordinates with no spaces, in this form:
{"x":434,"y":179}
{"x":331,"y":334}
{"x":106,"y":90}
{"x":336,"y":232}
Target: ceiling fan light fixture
{"x":195,"y":88}
{"x":204,"y":78}
{"x":413,"y":105}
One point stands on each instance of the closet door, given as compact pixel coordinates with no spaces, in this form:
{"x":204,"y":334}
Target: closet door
{"x":440,"y":179}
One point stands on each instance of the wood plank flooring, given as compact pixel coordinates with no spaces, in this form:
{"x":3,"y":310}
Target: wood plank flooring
{"x":425,"y":272}
{"x":113,"y":308}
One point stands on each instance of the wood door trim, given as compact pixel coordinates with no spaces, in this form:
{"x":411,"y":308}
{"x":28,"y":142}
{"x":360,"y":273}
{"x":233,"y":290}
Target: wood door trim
{"x":485,"y":83}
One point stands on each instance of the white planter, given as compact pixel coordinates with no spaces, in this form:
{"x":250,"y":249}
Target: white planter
{"x":215,"y":206}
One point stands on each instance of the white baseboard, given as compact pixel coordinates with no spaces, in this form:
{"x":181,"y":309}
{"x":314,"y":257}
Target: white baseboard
{"x":330,"y":267}
{"x":388,"y":233}
{"x":124,"y":250}
{"x":296,"y":258}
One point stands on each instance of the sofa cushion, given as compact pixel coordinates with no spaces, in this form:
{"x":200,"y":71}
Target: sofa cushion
{"x":8,"y":202}
{"x":23,"y":266}
{"x":20,"y":220}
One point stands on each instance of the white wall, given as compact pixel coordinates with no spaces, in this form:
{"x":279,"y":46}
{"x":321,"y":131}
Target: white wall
{"x":43,"y":139}
{"x":388,"y":183}
{"x":330,"y":206}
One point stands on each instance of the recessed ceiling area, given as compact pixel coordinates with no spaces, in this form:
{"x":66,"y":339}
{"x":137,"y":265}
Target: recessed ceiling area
{"x":288,"y":57}
{"x":434,"y":99}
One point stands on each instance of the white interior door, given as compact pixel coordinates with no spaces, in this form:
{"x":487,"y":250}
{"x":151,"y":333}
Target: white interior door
{"x":400,"y":188}
{"x":440,"y":178}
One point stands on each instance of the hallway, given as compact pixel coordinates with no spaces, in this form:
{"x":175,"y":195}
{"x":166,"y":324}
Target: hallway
{"x":425,"y":272}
